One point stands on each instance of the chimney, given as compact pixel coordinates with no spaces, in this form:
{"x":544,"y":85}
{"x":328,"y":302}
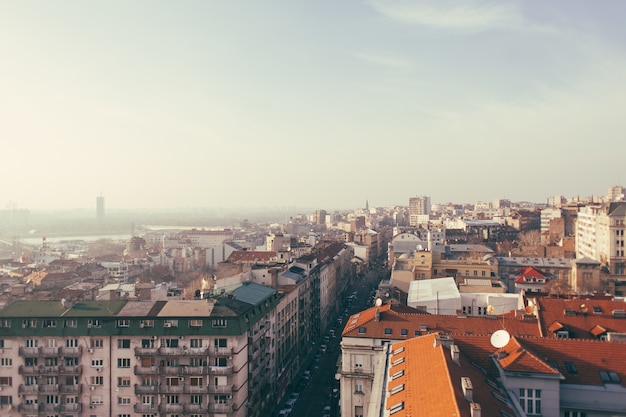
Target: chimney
{"x":455,"y":352}
{"x":474,"y":410}
{"x":377,"y":314}
{"x":468,"y":389}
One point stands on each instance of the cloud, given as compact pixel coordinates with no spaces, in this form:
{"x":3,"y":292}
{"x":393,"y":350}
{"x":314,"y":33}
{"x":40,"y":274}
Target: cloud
{"x":468,"y":16}
{"x":385,"y":60}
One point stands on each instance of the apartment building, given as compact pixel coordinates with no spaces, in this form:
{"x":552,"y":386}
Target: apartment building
{"x":600,"y":235}
{"x":213,"y":357}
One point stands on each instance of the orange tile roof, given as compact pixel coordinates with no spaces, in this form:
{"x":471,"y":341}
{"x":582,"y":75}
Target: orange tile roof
{"x":518,"y":359}
{"x":432,"y":381}
{"x":580,"y":361}
{"x":580,"y":316}
{"x":397,"y":323}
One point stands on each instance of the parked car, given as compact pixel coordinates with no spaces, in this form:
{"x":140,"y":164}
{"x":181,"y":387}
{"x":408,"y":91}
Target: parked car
{"x":285,"y":412}
{"x":323,"y":348}
{"x":291,"y":402}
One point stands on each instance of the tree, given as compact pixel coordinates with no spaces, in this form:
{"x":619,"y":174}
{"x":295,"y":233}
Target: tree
{"x":530,"y":238}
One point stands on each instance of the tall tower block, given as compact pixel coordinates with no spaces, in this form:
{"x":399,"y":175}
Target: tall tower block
{"x":100,"y":207}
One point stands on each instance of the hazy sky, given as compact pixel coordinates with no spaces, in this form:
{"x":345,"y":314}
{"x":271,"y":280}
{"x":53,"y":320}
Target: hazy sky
{"x":162,"y":104}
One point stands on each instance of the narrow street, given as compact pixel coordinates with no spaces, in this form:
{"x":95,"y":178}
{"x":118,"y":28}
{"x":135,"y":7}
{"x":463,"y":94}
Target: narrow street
{"x":322,"y":389}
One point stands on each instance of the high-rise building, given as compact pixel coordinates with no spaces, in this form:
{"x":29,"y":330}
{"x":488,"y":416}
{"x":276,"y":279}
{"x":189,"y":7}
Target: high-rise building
{"x":418,"y":208}
{"x":100,"y":207}
{"x":616,"y":193}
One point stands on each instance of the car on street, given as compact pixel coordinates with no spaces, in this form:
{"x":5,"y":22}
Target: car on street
{"x":285,"y":412}
{"x":323,"y":348}
{"x":291,"y":402}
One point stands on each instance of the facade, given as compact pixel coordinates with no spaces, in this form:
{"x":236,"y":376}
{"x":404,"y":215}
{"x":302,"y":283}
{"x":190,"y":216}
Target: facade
{"x":210,"y":357}
{"x":600,"y":235}
{"x":418,"y":206}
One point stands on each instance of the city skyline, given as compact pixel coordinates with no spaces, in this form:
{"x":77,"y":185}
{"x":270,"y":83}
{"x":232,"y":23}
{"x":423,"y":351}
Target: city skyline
{"x":162,"y":105}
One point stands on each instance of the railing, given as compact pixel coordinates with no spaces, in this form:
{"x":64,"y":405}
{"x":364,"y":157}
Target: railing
{"x":221,"y":370}
{"x":171,"y":408}
{"x":195,"y":370}
{"x":28,"y":351}
{"x":146,"y":370}
{"x":28,"y":389}
{"x":49,"y":351}
{"x":220,"y":408}
{"x":194,"y":408}
{"x":28,"y":408}
{"x":217,"y":350}
{"x":49,"y":389}
{"x":71,"y":389}
{"x":145,"y":408}
{"x":71,"y":408}
{"x":28,"y":370}
{"x":196,"y":389}
{"x":220,"y":389}
{"x":141,"y":351}
{"x":171,"y":389}
{"x":171,"y":370}
{"x":146,"y":389}
{"x":71,"y":351}
{"x":71,"y":370}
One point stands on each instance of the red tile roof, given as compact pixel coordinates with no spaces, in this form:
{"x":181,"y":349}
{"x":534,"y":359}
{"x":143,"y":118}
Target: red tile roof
{"x":517,"y":359}
{"x":580,"y":316}
{"x":251,"y":256}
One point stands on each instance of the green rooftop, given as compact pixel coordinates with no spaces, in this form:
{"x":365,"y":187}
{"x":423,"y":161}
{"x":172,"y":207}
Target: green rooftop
{"x":34,"y":309}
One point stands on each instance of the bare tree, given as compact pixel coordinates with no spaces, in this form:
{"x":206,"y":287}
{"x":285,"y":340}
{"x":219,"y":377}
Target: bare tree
{"x":530,"y":238}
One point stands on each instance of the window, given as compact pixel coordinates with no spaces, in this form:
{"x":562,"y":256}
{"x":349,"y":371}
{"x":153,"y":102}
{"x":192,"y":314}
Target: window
{"x":196,"y":399}
{"x":220,"y":343}
{"x":397,"y":389}
{"x":123,"y":381}
{"x":195,"y":323}
{"x":195,"y":343}
{"x":388,"y":330}
{"x":358,"y":411}
{"x":123,"y":362}
{"x":574,"y":414}
{"x":73,"y":323}
{"x":362,"y":329}
{"x":358,"y":362}
{"x":32,"y":343}
{"x":123,"y":323}
{"x":398,"y":361}
{"x":123,"y":400}
{"x":4,"y":323}
{"x":219,"y":323}
{"x":172,"y":399}
{"x":146,"y":323}
{"x":95,"y":343}
{"x":483,"y":273}
{"x":71,"y":343}
{"x":170,"y":343}
{"x":29,"y":323}
{"x":6,"y":381}
{"x":94,"y":323}
{"x":404,"y":332}
{"x":97,"y":363}
{"x":397,"y":407}
{"x":170,"y":323}
{"x":530,"y":400}
{"x":397,"y":374}
{"x":96,"y":380}
{"x":6,"y":362}
{"x":123,"y":343}
{"x":220,"y":399}
{"x":358,"y":386}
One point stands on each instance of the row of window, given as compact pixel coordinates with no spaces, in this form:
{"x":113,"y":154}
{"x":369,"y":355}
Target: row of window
{"x":96,"y":323}
{"x":218,"y":343}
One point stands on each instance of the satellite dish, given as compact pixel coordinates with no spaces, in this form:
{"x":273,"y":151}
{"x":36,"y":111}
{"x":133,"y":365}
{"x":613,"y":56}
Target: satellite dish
{"x":500,"y":338}
{"x":379,"y":302}
{"x":529,"y":309}
{"x":490,"y":309}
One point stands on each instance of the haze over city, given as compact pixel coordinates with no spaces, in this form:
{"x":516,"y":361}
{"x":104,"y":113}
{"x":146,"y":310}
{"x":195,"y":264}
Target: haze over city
{"x":324,"y":104}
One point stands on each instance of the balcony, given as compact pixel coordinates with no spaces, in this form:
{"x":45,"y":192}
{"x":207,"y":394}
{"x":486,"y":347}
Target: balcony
{"x":217,"y":350}
{"x":220,"y":389}
{"x":141,"y":351}
{"x":71,"y":370}
{"x":49,"y":407}
{"x":221,"y":370}
{"x":49,"y":389}
{"x":49,"y":351}
{"x":71,"y":389}
{"x":146,"y":370}
{"x":146,"y":408}
{"x":171,"y":408}
{"x":171,"y":370}
{"x":195,"y":370}
{"x":48,"y":370}
{"x":173,"y":351}
{"x":220,"y":408}
{"x":146,"y":389}
{"x":28,"y":389}
{"x":195,"y":408}
{"x":71,"y":408}
{"x":71,"y":351}
{"x":28,"y":370}
{"x":196,"y":389}
{"x":28,"y":408}
{"x":171,"y":389}
{"x":29,"y":351}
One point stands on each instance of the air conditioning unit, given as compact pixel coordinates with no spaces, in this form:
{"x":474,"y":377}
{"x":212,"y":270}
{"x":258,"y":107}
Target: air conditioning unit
{"x":167,"y":325}
{"x":92,"y":387}
{"x":90,"y":350}
{"x":141,"y":325}
{"x":89,"y":325}
{"x":181,"y":378}
{"x":99,"y":369}
{"x":92,"y":406}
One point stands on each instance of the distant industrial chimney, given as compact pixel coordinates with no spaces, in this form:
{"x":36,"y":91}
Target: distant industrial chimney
{"x":100,"y":207}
